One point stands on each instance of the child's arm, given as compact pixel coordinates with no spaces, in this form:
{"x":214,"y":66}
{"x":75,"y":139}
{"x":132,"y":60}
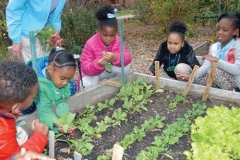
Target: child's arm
{"x":38,"y":140}
{"x":89,"y":62}
{"x":157,"y":58}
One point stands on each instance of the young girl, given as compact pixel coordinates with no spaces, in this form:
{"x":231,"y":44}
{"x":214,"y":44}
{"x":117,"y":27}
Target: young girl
{"x":226,"y":52}
{"x":101,"y":54}
{"x":54,"y":73}
{"x":18,"y":87}
{"x":175,"y":54}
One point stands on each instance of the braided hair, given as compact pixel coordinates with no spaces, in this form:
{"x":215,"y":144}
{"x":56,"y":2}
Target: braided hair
{"x":235,"y":17}
{"x":178,"y":27}
{"x":61,"y":58}
{"x":102,"y":16}
{"x":16,"y":82}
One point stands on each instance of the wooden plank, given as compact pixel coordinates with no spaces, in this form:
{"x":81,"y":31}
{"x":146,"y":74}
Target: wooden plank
{"x":157,"y":75}
{"x":190,"y":80}
{"x":117,"y":152}
{"x":195,"y":90}
{"x":209,"y":81}
{"x":113,"y":83}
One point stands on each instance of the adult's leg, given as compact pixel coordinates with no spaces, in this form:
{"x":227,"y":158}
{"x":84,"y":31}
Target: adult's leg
{"x":26,"y":49}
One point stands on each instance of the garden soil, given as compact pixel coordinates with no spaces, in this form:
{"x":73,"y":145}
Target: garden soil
{"x":143,"y":45}
{"x":158,"y":104}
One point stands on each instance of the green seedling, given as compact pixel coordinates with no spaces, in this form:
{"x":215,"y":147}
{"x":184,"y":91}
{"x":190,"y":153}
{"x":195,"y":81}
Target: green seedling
{"x":66,"y":120}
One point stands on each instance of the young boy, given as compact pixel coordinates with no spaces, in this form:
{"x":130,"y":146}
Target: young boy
{"x":18,"y":87}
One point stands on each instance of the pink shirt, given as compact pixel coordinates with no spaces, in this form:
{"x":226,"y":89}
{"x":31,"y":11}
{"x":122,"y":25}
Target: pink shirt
{"x":93,"y":51}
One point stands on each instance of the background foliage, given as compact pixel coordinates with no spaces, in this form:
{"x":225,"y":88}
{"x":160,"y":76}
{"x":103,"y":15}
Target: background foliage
{"x":78,"y":21}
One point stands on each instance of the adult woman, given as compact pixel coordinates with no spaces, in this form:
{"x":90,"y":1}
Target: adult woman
{"x":31,"y":15}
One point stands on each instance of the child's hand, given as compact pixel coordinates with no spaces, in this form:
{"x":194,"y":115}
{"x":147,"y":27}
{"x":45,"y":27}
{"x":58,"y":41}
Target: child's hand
{"x":38,"y":126}
{"x":60,"y":128}
{"x":109,"y":56}
{"x":102,"y":62}
{"x":29,"y":155}
{"x":149,"y":73}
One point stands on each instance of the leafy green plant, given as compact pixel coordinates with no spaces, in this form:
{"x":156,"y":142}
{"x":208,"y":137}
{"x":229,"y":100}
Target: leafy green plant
{"x":45,"y":36}
{"x":178,"y":99}
{"x":83,"y":146}
{"x":139,"y":133}
{"x":66,"y":120}
{"x":218,"y":133}
{"x":171,"y":135}
{"x":118,"y":116}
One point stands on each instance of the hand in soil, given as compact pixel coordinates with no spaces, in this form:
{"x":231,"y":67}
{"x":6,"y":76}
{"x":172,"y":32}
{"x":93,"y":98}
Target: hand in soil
{"x":38,"y":126}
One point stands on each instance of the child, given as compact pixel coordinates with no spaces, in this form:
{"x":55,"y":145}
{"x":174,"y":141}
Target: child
{"x":18,"y":87}
{"x":54,"y":72}
{"x":100,"y":57}
{"x":226,"y":52}
{"x":175,"y":54}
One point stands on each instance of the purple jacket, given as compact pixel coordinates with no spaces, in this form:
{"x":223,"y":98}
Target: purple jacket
{"x":92,"y":52}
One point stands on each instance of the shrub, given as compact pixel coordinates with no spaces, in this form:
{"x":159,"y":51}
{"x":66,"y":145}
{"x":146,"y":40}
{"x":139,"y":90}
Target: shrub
{"x":78,"y":25}
{"x":162,"y":13}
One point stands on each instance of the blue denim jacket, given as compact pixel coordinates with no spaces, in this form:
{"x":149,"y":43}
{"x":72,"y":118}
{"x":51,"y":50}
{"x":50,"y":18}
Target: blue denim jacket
{"x":23,"y":16}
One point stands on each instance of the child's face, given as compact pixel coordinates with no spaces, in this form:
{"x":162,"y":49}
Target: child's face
{"x":174,"y":43}
{"x":60,"y":76}
{"x":225,"y":31}
{"x":108,"y":34}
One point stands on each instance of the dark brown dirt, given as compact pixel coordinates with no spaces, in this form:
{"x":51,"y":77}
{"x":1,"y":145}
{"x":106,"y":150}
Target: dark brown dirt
{"x":159,"y":105}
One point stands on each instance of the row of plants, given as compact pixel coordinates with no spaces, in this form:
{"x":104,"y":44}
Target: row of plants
{"x":171,"y":134}
{"x":135,"y":94}
{"x":136,"y":135}
{"x":218,"y":132}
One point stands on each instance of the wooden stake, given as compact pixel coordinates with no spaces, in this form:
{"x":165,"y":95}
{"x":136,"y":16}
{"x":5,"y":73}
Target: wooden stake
{"x":209,"y":81}
{"x":157,"y":75}
{"x":116,"y":84}
{"x":117,"y":152}
{"x":190,"y":80}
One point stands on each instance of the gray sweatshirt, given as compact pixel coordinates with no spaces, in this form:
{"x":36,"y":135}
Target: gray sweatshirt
{"x":233,"y":69}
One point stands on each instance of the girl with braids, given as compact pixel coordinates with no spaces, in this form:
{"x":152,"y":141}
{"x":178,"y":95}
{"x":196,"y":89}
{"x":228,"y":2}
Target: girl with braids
{"x":18,"y":87}
{"x":100,"y":57}
{"x":226,"y":52}
{"x":55,"y":88}
{"x":175,"y":54}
